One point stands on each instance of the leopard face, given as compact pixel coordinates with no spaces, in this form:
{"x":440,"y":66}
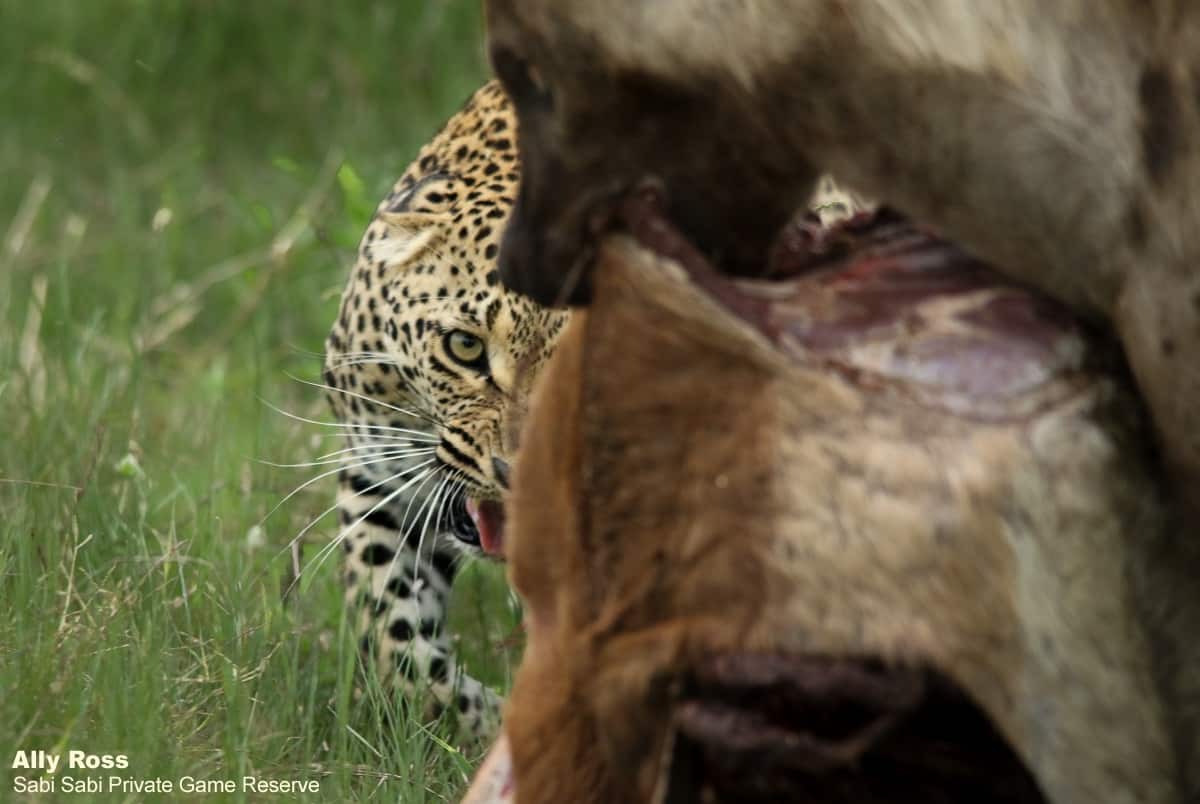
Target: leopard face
{"x":427,"y":340}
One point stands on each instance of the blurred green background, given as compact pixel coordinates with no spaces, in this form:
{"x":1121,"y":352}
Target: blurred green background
{"x":184,"y":184}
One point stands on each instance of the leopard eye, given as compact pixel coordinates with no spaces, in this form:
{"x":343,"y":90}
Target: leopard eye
{"x":466,"y":348}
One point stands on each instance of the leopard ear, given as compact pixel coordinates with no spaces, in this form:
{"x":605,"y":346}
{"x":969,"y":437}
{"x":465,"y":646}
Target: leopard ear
{"x":415,"y":219}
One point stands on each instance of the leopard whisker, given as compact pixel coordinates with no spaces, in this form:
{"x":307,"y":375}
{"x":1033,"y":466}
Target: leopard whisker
{"x":408,"y":432}
{"x":300,"y":535}
{"x":359,"y":354}
{"x":455,"y":486}
{"x":404,"y":517}
{"x":378,"y":437}
{"x":322,"y":476}
{"x":401,"y":444}
{"x":430,"y":504}
{"x":347,"y":358}
{"x":356,"y":355}
{"x":362,"y":358}
{"x":416,"y":434}
{"x":459,"y":489}
{"x":441,"y":497}
{"x":299,"y":350}
{"x":364,"y":397}
{"x":426,"y":509}
{"x":376,"y":454}
{"x":324,"y":552}
{"x":312,"y":523}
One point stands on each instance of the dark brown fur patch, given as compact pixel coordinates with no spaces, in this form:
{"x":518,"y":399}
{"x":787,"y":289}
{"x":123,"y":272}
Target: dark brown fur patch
{"x":1135,"y":225}
{"x":1160,"y":122}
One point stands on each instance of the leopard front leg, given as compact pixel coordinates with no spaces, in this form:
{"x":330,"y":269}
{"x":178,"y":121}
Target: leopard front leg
{"x":399,"y":603}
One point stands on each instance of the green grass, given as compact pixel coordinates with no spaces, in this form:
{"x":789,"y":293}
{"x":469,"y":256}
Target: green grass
{"x":183,"y":186}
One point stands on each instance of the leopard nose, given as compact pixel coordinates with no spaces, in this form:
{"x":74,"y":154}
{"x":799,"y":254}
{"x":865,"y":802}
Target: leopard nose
{"x":502,"y":470}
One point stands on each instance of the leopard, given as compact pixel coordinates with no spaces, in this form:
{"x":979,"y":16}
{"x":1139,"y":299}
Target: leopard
{"x":427,"y":368}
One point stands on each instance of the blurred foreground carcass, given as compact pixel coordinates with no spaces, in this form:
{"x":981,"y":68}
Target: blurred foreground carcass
{"x":882,"y":527}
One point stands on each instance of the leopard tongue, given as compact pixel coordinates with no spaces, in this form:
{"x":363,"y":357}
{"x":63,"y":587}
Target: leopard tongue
{"x":488,"y":516}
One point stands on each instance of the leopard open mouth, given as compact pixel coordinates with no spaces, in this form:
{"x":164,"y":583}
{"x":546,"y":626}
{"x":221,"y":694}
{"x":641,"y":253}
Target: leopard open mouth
{"x":481,"y":524}
{"x":462,"y":525}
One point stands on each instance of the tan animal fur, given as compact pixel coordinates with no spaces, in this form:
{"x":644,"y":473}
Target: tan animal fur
{"x":1027,"y":558}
